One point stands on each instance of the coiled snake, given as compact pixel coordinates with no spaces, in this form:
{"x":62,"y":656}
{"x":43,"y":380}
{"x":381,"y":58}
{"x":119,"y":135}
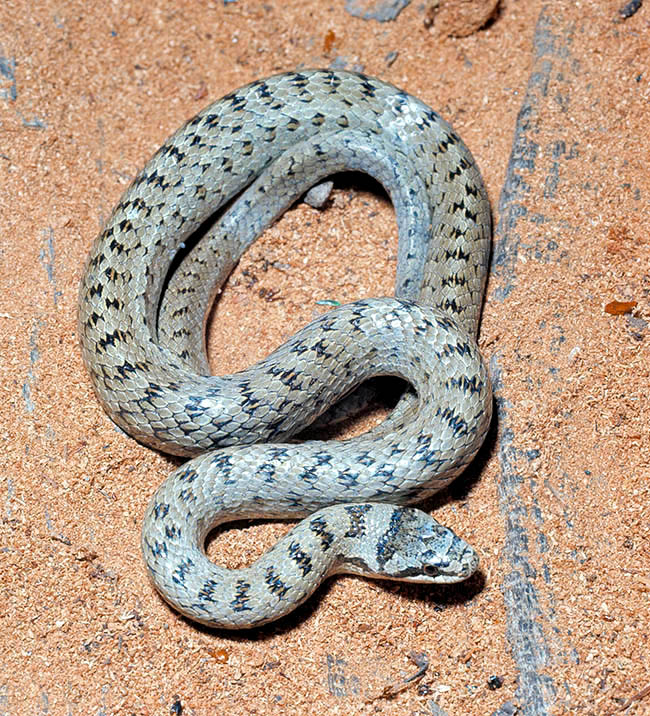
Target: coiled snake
{"x":222,"y":178}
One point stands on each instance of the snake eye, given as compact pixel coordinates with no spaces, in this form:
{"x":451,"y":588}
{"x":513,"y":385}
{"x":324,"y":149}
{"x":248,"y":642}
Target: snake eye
{"x":431,"y":570}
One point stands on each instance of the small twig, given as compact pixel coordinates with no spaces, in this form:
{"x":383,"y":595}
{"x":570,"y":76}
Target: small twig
{"x":637,"y":697}
{"x":421,"y":660}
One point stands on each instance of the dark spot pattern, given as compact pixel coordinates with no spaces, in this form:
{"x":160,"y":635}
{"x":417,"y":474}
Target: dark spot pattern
{"x":357,"y":526}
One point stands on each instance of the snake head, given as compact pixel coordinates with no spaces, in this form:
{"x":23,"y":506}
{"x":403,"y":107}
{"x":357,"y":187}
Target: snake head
{"x":404,"y":544}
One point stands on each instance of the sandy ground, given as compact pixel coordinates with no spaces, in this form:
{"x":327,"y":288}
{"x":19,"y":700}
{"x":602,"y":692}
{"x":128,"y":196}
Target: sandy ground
{"x":552,"y":99}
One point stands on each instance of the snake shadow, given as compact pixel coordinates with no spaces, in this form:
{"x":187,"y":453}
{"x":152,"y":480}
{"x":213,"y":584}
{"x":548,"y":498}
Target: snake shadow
{"x":440,"y":596}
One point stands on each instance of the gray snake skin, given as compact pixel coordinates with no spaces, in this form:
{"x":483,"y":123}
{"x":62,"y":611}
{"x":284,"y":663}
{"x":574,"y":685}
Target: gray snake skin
{"x":169,"y":245}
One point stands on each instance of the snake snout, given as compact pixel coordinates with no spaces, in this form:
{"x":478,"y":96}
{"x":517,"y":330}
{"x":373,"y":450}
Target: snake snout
{"x":454,"y":565}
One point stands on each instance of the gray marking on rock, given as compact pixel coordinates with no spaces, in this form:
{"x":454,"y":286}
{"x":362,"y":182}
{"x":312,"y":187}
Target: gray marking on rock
{"x":380,"y":10}
{"x":526,"y":621}
{"x":8,"y":90}
{"x":34,"y":355}
{"x":46,"y":256}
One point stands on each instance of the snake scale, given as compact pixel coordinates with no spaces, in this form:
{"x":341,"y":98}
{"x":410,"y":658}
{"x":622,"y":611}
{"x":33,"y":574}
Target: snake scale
{"x":164,"y":254}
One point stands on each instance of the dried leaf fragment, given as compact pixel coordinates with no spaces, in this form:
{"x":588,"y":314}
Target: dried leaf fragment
{"x":328,"y":41}
{"x":619,"y":308}
{"x":219,"y":655}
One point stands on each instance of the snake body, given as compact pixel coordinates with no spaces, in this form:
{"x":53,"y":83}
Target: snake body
{"x":165,"y":252}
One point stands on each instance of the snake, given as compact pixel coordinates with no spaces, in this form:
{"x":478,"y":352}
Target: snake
{"x":160,"y":262}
